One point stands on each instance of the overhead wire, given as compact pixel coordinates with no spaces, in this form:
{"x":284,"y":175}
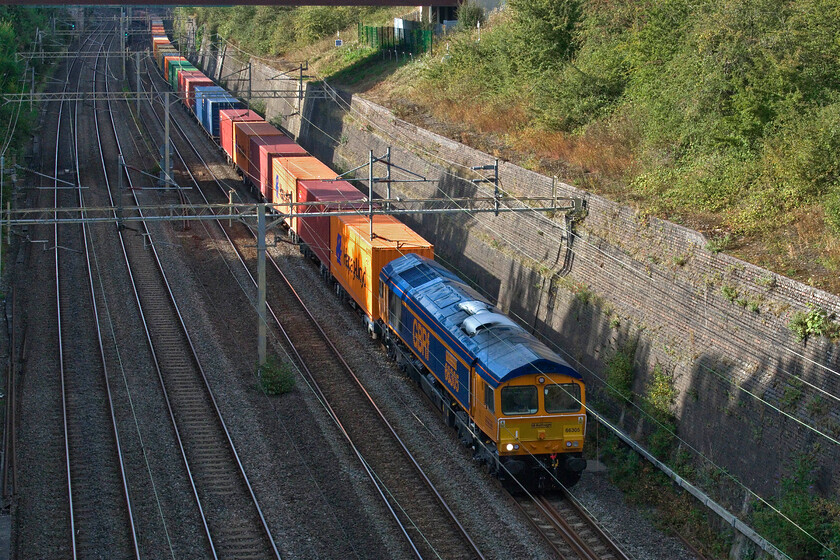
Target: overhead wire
{"x":217,"y":244}
{"x":337,"y":98}
{"x":706,"y":367}
{"x":128,"y":390}
{"x":461,"y":165}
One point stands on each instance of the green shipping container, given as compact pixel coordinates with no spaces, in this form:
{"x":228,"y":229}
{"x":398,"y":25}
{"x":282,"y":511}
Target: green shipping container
{"x":174,"y":66}
{"x":164,"y":52}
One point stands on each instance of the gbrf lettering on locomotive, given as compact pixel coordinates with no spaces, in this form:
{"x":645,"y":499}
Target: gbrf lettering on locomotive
{"x":517,"y":403}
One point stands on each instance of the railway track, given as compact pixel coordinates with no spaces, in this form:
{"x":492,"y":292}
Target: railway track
{"x":422,"y":513}
{"x":566,"y":526}
{"x":99,"y":508}
{"x":231,"y":515}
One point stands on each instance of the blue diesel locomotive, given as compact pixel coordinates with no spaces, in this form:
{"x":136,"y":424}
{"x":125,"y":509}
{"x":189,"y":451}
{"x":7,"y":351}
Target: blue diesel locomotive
{"x":515,"y":402}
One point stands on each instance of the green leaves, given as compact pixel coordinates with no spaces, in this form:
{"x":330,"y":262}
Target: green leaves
{"x":815,"y":322}
{"x":544,"y":32}
{"x":277,"y":377}
{"x":818,"y":531}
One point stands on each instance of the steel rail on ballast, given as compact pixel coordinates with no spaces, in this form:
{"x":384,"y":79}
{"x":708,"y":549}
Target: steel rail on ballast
{"x":146,"y":328}
{"x":345,"y":365}
{"x":606,"y":540}
{"x":65,"y":405}
{"x":87,"y":241}
{"x":58,"y":311}
{"x":206,"y":384}
{"x":358,"y":454}
{"x":551,"y":525}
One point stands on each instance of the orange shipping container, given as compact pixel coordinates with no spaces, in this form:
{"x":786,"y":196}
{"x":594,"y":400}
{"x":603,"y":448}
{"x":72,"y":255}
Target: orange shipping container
{"x":169,"y":58}
{"x":158,"y":45}
{"x":287,"y":171}
{"x":242,"y":133}
{"x":356,"y":259}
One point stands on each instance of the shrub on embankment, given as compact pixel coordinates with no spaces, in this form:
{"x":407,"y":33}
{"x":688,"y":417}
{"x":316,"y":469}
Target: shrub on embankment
{"x":273,"y":30}
{"x":721,"y":115}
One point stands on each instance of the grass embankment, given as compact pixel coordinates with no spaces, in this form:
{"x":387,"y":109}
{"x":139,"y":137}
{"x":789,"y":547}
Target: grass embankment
{"x":274,"y":31}
{"x":723,"y":116}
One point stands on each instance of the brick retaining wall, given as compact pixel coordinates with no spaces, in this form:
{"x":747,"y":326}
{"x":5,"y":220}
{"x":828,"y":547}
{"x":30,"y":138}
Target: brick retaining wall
{"x":632,"y":277}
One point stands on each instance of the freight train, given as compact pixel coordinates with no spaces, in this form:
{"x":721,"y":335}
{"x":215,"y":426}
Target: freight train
{"x":517,"y":404}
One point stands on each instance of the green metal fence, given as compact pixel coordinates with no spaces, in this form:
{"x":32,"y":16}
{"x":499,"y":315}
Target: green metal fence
{"x":403,"y":40}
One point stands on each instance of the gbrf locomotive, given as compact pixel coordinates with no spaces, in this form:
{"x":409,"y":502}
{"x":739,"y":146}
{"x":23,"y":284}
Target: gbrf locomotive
{"x":517,"y":403}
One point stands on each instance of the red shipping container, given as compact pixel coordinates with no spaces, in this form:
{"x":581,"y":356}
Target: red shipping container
{"x":243,"y":132}
{"x":192,"y":82}
{"x":259,"y":170}
{"x":226,"y":119}
{"x":287,"y":171}
{"x":267,"y":154}
{"x":182,"y":80}
{"x":315,"y":232}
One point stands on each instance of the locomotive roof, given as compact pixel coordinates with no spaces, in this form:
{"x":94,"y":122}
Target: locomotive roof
{"x":503,"y":349}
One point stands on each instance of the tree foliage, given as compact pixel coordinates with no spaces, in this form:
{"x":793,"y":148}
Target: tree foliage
{"x":272,"y":30}
{"x":18,"y":25}
{"x":812,"y":529}
{"x":728,"y":107}
{"x":470,"y":14}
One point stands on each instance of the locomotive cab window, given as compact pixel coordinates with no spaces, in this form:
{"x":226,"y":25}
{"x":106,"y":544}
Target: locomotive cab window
{"x":564,"y":397}
{"x":394,"y":310}
{"x":520,"y":399}
{"x":489,"y":402}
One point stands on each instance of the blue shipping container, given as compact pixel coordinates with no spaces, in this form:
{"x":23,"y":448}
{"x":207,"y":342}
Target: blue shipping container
{"x":202,"y":93}
{"x":213,"y":104}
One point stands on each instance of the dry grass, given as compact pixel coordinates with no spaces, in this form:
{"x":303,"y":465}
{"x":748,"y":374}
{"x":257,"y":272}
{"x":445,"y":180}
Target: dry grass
{"x":802,"y":249}
{"x":603,"y":160}
{"x":601,"y":153}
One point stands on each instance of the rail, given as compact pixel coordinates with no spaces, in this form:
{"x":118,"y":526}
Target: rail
{"x":220,"y":528}
{"x":302,"y":362}
{"x":572,"y":532}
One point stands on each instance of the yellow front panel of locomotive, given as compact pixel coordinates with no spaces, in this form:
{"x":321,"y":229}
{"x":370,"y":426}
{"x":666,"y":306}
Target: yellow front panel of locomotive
{"x":555,"y":434}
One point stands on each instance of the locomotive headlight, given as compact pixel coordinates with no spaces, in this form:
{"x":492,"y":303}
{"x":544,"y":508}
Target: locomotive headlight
{"x":509,"y":447}
{"x":568,"y":444}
